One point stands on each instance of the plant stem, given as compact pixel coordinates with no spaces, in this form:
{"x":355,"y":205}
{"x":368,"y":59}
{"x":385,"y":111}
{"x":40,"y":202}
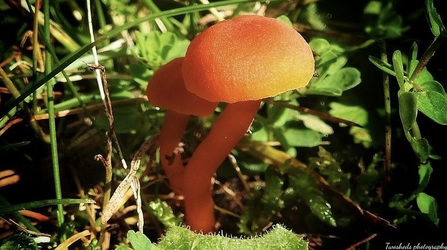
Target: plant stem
{"x":428,"y":54}
{"x":51,"y":117}
{"x":100,"y":13}
{"x":387,"y":106}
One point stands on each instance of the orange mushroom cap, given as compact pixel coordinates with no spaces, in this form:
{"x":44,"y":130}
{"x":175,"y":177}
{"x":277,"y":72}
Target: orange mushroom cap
{"x":166,"y":89}
{"x":247,"y":58}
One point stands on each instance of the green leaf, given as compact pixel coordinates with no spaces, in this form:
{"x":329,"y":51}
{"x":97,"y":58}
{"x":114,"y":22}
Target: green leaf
{"x":41,"y":203}
{"x":434,"y":105}
{"x":421,"y":148}
{"x":407,"y":109}
{"x":382,"y":21}
{"x":139,"y":241}
{"x":140,"y":74}
{"x":306,"y":187}
{"x":302,"y":137}
{"x":156,"y":49}
{"x":413,"y":59}
{"x":432,"y":85}
{"x":428,"y":205}
{"x":334,"y":84}
{"x":319,"y":45}
{"x":355,"y":114}
{"x":164,"y":213}
{"x":398,"y":67}
{"x":273,"y":190}
{"x":436,"y":24}
{"x":316,"y":124}
{"x":285,"y":19}
{"x":128,"y":119}
{"x":424,"y":172}
{"x":384,"y":66}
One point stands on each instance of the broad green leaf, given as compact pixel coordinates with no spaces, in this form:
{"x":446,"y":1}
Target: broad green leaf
{"x":164,"y":213}
{"x":302,"y":137}
{"x":344,"y":79}
{"x":361,"y":135}
{"x":355,"y":114}
{"x":336,"y":66}
{"x":316,"y":124}
{"x":434,"y":105}
{"x":398,"y":66}
{"x":407,"y":109}
{"x":285,"y":19}
{"x":425,"y":171}
{"x":140,"y":74}
{"x":428,"y":205}
{"x":319,"y":45}
{"x":422,"y":148}
{"x":384,"y":66}
{"x":436,"y":24}
{"x":432,"y":85}
{"x":324,"y":61}
{"x":128,"y":119}
{"x":424,"y":76}
{"x":139,"y":241}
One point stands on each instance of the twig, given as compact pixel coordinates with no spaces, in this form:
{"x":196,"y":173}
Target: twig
{"x":130,"y":181}
{"x":370,"y":237}
{"x":387,"y":106}
{"x":428,"y":54}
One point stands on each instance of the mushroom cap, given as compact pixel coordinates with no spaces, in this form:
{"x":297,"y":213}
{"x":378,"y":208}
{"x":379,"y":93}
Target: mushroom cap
{"x":166,"y":89}
{"x":247,"y":58}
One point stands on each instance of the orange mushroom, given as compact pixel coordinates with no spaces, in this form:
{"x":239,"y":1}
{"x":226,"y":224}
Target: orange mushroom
{"x":166,"y":89}
{"x":238,"y":61}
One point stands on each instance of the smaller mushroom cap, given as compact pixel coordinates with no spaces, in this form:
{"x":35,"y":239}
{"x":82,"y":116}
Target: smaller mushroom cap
{"x":166,"y":89}
{"x":247,"y":58}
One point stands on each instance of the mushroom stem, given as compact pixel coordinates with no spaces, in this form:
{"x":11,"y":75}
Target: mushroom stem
{"x":227,"y":131}
{"x":170,"y":136}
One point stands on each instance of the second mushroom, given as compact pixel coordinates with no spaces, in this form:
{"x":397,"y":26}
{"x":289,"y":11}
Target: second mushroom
{"x":239,"y":62}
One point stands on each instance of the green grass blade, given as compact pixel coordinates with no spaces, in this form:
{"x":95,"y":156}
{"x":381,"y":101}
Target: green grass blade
{"x":42,"y":203}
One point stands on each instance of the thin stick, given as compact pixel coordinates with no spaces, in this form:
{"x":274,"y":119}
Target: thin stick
{"x":100,"y":77}
{"x":387,"y":106}
{"x":428,"y":54}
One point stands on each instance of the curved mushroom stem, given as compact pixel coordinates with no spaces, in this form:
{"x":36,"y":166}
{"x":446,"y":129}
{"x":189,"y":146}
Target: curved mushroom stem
{"x":170,"y":136}
{"x":227,"y":131}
